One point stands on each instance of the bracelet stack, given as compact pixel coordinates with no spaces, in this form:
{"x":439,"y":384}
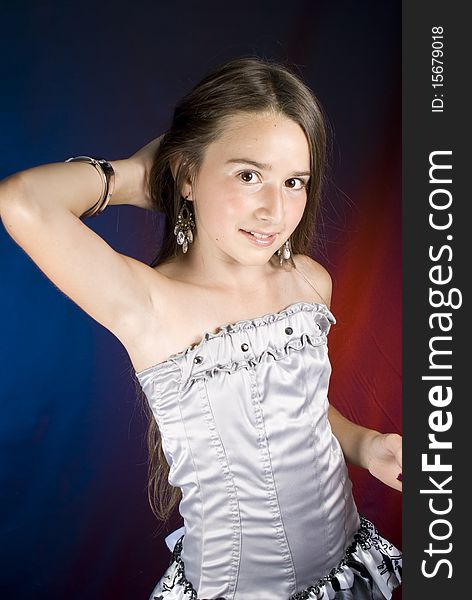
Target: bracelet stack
{"x":107,"y":175}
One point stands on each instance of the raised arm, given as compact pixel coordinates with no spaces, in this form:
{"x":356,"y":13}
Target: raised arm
{"x":40,"y":209}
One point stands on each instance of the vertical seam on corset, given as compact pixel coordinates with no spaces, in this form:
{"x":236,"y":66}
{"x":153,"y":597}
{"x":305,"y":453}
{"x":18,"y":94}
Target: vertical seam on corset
{"x":334,"y":457}
{"x":269,"y":479}
{"x":344,"y":486}
{"x":195,"y":470}
{"x":340,"y":468}
{"x":321,"y":495}
{"x":160,"y":420}
{"x":329,"y":527}
{"x":230,"y":488}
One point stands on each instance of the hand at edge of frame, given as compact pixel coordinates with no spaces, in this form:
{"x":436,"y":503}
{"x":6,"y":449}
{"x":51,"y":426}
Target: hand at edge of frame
{"x":384,"y":459}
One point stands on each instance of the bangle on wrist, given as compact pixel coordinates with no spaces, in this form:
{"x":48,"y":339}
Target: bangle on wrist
{"x":107,"y":175}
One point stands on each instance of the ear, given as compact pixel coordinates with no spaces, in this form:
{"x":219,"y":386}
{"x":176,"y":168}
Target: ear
{"x":186,"y":186}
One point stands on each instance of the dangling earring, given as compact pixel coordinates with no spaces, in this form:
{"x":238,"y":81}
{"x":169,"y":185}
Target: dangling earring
{"x":184,"y":226}
{"x":284,"y":252}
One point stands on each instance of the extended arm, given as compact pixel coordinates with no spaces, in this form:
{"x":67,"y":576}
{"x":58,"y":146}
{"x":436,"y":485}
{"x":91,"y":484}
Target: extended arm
{"x":380,"y":453}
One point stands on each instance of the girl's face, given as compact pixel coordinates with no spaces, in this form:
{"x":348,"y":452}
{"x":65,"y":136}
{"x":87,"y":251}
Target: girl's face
{"x":253,"y":179}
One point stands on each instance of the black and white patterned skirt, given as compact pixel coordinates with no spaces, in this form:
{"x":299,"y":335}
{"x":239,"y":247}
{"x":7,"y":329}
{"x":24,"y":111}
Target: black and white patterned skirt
{"x":370,"y":569}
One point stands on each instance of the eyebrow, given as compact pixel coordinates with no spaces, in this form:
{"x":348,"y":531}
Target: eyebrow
{"x":263,"y":166}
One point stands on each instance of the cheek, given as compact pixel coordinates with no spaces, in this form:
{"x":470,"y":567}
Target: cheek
{"x":228,"y":204}
{"x":302,"y":208}
{"x":221,"y":210}
{"x":236,"y":205}
{"x":296,"y":210}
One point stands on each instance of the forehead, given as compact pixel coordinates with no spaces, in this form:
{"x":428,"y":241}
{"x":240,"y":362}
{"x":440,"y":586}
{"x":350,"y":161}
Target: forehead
{"x":267,"y":137}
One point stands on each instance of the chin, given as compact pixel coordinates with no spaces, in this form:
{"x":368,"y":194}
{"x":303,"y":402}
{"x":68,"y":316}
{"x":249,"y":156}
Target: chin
{"x":259,"y":261}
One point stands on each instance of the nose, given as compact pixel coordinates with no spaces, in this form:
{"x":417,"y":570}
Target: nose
{"x":271,"y":205}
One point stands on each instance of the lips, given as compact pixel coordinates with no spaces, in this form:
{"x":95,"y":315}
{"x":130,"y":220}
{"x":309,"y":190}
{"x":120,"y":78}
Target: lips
{"x":267,"y":233}
{"x":263,"y":239}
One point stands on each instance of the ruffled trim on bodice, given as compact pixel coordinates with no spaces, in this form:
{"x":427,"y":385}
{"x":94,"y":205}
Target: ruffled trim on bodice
{"x":244,"y":343}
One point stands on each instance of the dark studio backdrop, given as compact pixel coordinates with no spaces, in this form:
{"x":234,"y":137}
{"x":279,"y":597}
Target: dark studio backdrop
{"x":103,"y":80}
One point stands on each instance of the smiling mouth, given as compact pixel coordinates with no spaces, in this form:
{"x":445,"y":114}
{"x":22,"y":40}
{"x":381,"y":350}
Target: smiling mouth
{"x":260,"y":236}
{"x":263,"y":240}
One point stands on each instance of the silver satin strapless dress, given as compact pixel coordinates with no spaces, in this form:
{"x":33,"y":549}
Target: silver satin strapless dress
{"x":266,"y":498}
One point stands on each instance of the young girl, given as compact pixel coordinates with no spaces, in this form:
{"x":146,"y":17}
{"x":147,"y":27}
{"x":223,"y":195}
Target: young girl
{"x":242,"y":433}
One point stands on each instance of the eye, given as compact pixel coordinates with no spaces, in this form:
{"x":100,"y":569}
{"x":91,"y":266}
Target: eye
{"x":293,"y":181}
{"x":248,"y":176}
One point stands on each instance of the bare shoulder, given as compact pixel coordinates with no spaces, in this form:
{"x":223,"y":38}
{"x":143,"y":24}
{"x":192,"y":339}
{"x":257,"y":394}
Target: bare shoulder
{"x":317,"y":275}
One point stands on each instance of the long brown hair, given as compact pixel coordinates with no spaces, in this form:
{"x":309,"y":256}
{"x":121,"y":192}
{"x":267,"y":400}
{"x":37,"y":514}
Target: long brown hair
{"x":243,"y":85}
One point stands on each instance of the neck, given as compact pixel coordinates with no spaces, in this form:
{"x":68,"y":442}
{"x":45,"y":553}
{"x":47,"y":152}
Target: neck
{"x":221,"y":272}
